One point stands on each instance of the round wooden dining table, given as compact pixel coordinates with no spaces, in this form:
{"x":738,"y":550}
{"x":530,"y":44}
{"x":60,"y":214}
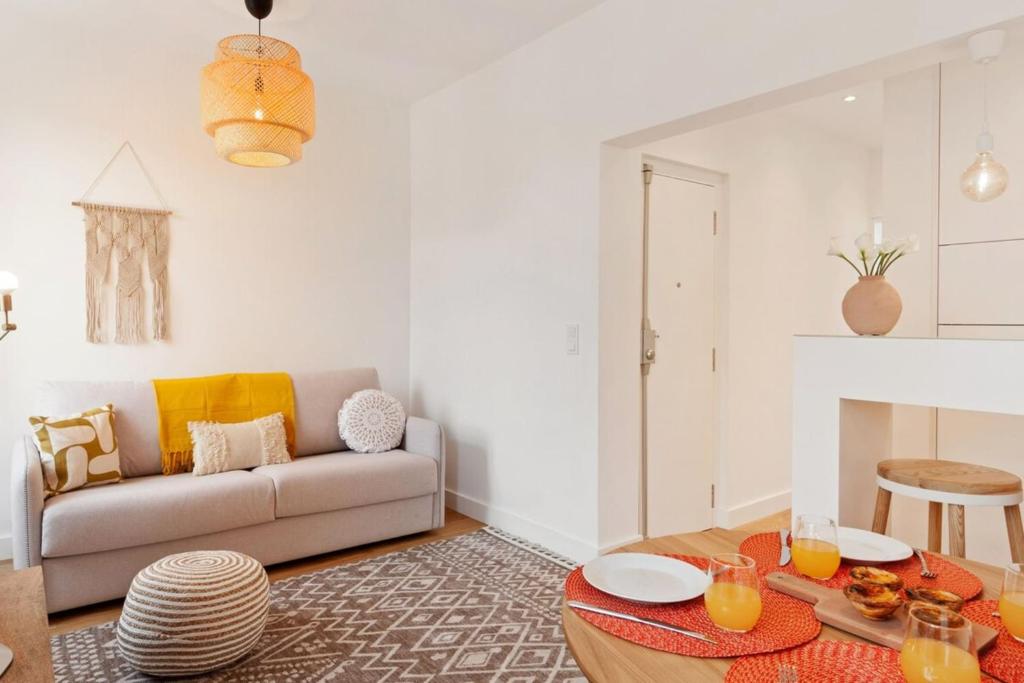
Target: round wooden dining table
{"x":605,"y":658}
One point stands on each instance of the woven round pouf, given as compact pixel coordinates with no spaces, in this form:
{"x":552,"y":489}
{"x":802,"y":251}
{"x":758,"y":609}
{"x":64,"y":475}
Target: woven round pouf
{"x":193,"y":612}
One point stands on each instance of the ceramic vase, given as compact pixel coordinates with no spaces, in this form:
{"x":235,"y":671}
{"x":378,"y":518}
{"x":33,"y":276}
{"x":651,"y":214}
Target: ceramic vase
{"x":872,"y":306}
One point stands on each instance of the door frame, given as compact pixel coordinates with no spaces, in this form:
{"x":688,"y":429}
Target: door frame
{"x":661,"y":166}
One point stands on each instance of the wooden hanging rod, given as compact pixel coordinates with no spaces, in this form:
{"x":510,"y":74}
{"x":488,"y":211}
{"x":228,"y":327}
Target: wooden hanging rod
{"x":122,"y":209}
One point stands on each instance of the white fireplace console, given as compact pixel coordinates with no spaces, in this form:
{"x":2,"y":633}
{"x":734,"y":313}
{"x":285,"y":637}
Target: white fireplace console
{"x":843,"y":392}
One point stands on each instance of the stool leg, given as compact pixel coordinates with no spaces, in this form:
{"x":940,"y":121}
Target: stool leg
{"x":1015,"y":530}
{"x":882,"y":502}
{"x":957,"y":544}
{"x":935,"y":527}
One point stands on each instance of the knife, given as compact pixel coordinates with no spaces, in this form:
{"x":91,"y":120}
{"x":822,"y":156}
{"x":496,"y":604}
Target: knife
{"x":784,"y":552}
{"x":587,"y":607}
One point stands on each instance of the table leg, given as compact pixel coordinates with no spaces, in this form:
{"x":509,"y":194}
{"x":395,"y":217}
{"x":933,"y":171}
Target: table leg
{"x":957,"y":542}
{"x":882,"y":502}
{"x":1015,"y":530}
{"x":935,"y":527}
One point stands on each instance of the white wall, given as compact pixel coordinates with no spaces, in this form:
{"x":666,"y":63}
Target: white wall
{"x":790,"y":187}
{"x":949,"y":290}
{"x":299,"y":268}
{"x":507,"y":227}
{"x":980,"y":287}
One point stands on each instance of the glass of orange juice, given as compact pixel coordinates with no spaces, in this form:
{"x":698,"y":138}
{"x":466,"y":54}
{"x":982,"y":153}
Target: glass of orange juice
{"x":939,"y":647}
{"x":733,"y":598}
{"x":815,"y":547}
{"x":1011,"y":601}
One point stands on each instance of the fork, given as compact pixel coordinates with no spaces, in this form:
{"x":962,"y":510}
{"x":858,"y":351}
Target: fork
{"x":925,"y":572}
{"x":788,"y":674}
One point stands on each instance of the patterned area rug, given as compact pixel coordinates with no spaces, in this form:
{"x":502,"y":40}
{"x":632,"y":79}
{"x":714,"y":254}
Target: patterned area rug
{"x":485,"y":606}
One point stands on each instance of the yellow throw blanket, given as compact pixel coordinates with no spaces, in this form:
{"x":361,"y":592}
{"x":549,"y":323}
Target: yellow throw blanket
{"x":219,"y":398}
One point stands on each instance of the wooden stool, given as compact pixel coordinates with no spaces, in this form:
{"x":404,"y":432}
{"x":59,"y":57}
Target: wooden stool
{"x":956,"y":484}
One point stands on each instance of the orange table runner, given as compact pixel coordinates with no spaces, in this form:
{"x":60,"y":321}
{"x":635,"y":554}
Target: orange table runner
{"x":764,"y":549}
{"x":1005,"y":659}
{"x":823,"y":661}
{"x":785,"y":622}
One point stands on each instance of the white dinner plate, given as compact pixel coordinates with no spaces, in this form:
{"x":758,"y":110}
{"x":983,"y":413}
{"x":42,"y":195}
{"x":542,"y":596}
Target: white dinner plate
{"x":645,"y":578}
{"x":858,"y":545}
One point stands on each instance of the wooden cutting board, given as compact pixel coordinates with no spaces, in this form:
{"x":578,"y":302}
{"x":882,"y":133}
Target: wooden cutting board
{"x":831,"y":607}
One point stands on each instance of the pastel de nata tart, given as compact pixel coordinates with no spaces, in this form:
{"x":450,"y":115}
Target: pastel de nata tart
{"x":937,"y":616}
{"x":876,"y":576}
{"x":933,"y":596}
{"x":873,"y":601}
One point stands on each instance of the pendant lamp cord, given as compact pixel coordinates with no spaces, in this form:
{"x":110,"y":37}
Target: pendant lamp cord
{"x":984,"y":96}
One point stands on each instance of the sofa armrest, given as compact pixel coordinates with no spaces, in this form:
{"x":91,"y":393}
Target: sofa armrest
{"x":426,"y":437}
{"x":27,"y":498}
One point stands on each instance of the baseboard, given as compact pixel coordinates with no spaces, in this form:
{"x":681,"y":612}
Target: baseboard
{"x":608,"y":547}
{"x":563,"y":544}
{"x":730,"y":518}
{"x":6,"y":547}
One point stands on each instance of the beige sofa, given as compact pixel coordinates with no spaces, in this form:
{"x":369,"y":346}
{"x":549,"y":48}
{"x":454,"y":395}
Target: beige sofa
{"x":92,"y":541}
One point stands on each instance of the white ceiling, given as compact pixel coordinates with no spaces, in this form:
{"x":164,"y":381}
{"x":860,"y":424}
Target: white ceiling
{"x":401,"y":48}
{"x":859,"y":121}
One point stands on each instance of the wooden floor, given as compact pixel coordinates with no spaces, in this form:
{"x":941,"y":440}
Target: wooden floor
{"x":774,"y":522}
{"x":456,"y":524}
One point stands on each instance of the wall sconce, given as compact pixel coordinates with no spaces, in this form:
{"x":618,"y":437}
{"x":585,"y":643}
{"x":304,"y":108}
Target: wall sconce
{"x":8,"y":283}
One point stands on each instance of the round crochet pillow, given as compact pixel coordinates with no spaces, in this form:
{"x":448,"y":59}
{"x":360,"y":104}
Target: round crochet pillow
{"x":193,"y":612}
{"x":371,"y":421}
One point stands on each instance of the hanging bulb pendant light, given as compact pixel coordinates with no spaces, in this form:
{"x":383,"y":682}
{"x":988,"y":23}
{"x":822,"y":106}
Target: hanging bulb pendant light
{"x":986,"y":178}
{"x":257,"y":103}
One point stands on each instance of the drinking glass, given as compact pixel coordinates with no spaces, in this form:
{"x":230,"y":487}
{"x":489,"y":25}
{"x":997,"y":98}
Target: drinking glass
{"x":1011,"y":601}
{"x":815,"y":547}
{"x":939,"y":647}
{"x":733,"y":598}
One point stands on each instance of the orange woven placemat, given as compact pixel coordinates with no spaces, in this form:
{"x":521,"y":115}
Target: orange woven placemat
{"x":764,"y":548}
{"x":1005,"y":659}
{"x":785,"y":621}
{"x":823,"y":661}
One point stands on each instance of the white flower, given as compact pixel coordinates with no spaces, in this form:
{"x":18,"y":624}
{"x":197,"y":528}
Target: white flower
{"x":864,"y":242}
{"x":911,"y":243}
{"x":890,"y":245}
{"x":833,"y":247}
{"x":866,"y":248}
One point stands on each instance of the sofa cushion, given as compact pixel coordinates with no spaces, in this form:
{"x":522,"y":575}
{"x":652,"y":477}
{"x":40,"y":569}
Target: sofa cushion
{"x":134,"y":411}
{"x":152,"y":510}
{"x":318,"y":398}
{"x":335,"y":481}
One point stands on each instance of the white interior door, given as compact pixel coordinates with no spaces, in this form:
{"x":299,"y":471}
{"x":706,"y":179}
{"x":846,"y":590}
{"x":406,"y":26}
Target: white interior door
{"x":680,"y":385}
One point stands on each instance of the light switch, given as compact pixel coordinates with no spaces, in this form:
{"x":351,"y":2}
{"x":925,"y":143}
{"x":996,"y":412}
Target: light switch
{"x":572,"y":339}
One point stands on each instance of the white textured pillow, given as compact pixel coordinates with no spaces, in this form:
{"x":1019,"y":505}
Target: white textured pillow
{"x":371,"y":421}
{"x":220,"y":447}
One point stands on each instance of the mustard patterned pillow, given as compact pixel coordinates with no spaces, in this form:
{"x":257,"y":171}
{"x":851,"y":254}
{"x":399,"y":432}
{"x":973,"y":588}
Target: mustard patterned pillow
{"x":77,"y":450}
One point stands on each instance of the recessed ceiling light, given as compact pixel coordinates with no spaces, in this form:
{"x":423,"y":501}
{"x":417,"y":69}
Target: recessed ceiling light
{"x":850,"y":98}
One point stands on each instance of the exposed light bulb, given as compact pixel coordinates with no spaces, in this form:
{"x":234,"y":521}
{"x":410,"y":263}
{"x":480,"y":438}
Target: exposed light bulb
{"x":850,"y":98}
{"x":8,"y":282}
{"x":986,"y":178}
{"x":258,"y":114}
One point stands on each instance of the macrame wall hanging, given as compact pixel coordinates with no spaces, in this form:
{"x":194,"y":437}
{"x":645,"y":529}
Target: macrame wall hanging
{"x":136,"y":240}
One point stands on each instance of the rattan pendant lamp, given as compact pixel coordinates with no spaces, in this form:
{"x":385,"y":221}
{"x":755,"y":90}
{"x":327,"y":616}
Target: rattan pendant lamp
{"x":257,"y":103}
